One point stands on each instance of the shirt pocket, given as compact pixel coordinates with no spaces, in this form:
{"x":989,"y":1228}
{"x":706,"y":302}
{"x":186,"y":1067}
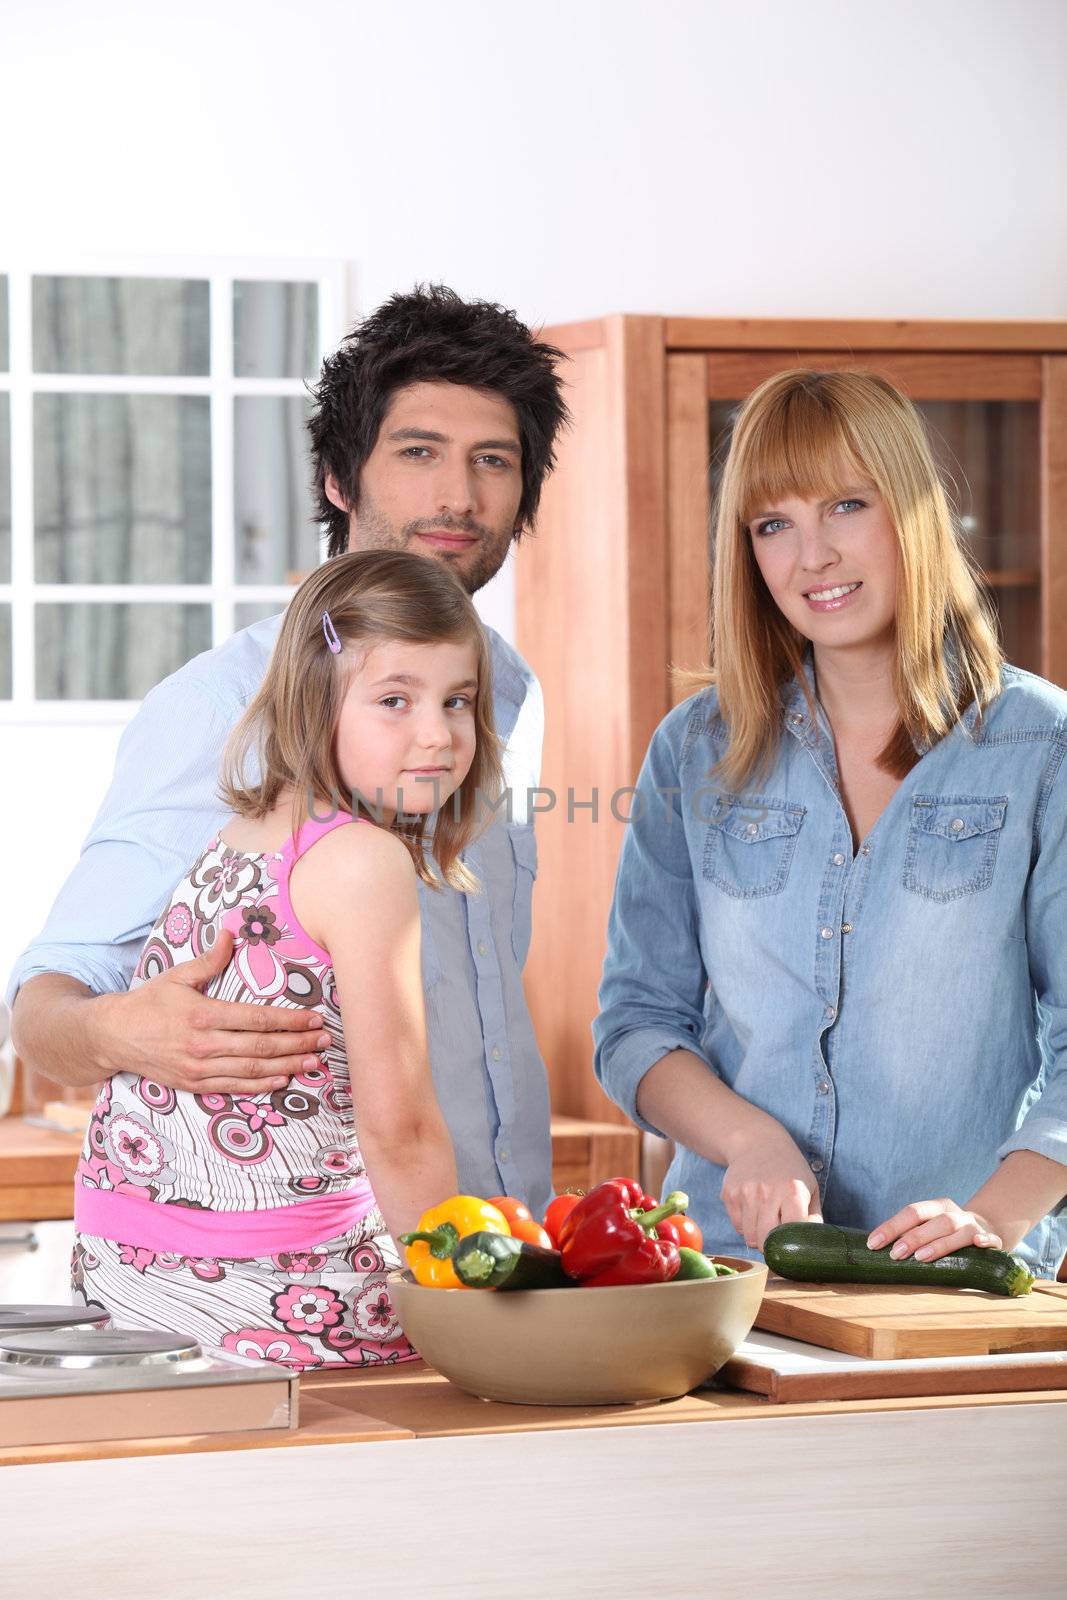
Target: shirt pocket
{"x":749,"y":845}
{"x":524,"y":853}
{"x":952,"y":844}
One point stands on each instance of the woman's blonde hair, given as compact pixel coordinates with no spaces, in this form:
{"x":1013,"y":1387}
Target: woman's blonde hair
{"x":290,"y":726}
{"x":805,"y":433}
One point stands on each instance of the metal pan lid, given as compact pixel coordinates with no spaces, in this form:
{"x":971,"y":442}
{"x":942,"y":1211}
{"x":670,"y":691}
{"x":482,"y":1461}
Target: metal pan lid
{"x":93,"y":1349}
{"x":27,"y":1318}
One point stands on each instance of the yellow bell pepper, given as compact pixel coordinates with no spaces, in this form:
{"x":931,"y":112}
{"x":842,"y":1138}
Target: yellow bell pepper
{"x":430,"y":1247}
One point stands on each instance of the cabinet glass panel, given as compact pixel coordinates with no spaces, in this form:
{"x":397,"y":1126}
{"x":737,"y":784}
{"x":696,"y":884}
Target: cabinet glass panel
{"x":5,"y":652}
{"x":149,"y":327}
{"x":122,"y":488}
{"x":5,"y":488}
{"x":274,"y":523}
{"x":90,"y":651}
{"x":275,"y":330}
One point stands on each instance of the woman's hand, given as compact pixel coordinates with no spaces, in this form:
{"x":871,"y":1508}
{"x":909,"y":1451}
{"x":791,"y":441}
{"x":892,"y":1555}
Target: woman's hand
{"x":929,"y":1229}
{"x":767,"y":1182}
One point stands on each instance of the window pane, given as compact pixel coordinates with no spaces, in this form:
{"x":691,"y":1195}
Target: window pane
{"x":248,"y":611}
{"x":5,"y":488}
{"x":5,"y":652}
{"x":157,"y":327}
{"x":277,"y":535}
{"x":122,"y":488}
{"x":114,"y":651}
{"x":275,"y":330}
{"x":5,"y":358}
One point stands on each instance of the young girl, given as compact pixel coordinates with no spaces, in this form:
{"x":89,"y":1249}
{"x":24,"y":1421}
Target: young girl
{"x":837,"y":963}
{"x":262,"y":1223}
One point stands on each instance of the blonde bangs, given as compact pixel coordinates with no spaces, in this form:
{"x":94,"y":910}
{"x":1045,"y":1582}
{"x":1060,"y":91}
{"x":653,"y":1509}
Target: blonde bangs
{"x":794,"y":449}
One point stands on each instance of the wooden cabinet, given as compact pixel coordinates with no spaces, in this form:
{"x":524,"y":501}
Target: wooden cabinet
{"x":613,"y":589}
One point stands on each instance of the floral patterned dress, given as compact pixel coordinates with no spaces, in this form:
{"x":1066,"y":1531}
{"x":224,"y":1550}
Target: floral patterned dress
{"x":169,"y":1159}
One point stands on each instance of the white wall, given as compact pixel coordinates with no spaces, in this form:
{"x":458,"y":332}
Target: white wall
{"x":568,"y":157}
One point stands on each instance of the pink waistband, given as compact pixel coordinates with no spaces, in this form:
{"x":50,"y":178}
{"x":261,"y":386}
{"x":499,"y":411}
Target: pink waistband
{"x":187,"y":1231}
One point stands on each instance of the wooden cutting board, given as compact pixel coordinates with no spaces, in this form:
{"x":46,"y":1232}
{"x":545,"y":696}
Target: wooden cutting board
{"x":886,"y":1324}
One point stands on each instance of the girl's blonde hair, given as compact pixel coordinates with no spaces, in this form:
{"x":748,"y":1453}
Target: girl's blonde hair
{"x":372,"y":596}
{"x":805,"y":434}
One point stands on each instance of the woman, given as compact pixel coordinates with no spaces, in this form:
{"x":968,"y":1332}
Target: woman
{"x":837,"y":962}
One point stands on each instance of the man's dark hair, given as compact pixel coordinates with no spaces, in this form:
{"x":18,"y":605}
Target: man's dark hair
{"x":431,"y":336}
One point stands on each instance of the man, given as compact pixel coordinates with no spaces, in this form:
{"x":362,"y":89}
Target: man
{"x":433,"y":433}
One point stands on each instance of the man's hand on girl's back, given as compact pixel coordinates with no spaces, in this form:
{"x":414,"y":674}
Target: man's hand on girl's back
{"x":169,"y":1031}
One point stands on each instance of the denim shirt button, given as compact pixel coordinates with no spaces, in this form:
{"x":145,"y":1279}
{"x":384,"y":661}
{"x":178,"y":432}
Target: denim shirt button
{"x":826,"y":933}
{"x":865,"y":850}
{"x":957,"y":825}
{"x":831,"y":1013}
{"x":823,"y":1088}
{"x":752,"y":830}
{"x":495,"y":1052}
{"x":846,"y":927}
{"x":817,"y":1164}
{"x":838,"y":859}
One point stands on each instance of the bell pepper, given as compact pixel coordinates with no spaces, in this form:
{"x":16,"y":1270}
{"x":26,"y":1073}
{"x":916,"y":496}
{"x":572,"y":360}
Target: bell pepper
{"x":430,"y":1246}
{"x":608,"y":1238}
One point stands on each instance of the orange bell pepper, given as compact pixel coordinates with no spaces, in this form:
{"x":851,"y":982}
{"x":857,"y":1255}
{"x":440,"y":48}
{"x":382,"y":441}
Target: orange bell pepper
{"x":430,"y":1246}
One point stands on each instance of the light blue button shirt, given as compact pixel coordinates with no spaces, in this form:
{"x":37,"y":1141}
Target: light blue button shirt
{"x":161,"y":810}
{"x":901,"y":1010}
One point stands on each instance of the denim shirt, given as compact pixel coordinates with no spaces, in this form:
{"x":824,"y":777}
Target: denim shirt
{"x":162,"y":808}
{"x":901,"y":1009}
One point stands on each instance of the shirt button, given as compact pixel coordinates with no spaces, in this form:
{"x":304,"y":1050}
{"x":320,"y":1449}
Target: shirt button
{"x":826,"y":933}
{"x":481,"y":947}
{"x":817,"y":1164}
{"x":865,"y":850}
{"x":831,"y":1013}
{"x":495,"y":1052}
{"x":839,"y":859}
{"x":503,"y":1155}
{"x":957,"y":825}
{"x":823,"y":1088}
{"x":796,"y":719}
{"x":752,"y":830}
{"x":846,"y":927}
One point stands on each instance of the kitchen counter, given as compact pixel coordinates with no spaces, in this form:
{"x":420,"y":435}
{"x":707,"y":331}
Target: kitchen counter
{"x":395,"y":1477}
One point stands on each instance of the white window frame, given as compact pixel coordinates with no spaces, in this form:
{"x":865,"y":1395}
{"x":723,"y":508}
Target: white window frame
{"x":222,"y":593}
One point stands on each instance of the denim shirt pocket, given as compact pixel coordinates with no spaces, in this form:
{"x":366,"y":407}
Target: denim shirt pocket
{"x":952,"y":844}
{"x":524,"y":851}
{"x":749,"y":845}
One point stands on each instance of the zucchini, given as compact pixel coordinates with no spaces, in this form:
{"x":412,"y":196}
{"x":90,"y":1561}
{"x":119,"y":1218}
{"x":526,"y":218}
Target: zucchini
{"x":821,"y":1252}
{"x":498,"y":1261}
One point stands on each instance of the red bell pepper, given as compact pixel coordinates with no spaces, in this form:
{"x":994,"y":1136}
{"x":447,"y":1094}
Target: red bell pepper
{"x":607,"y":1239}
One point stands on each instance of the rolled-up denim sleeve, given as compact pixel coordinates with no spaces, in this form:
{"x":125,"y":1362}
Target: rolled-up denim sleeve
{"x":1044,"y":1128}
{"x":160,"y":810}
{"x":654,"y":982}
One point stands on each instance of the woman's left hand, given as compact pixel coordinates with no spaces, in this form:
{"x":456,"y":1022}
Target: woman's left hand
{"x":929,"y":1229}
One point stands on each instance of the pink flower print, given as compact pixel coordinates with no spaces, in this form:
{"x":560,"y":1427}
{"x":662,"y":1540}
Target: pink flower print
{"x":307,"y":1308}
{"x":98,"y":1173}
{"x":178,"y":924}
{"x":135,"y":1147}
{"x":259,"y":967}
{"x":299,"y":1263}
{"x":260,"y":1113}
{"x":374,"y":1315}
{"x":137,"y":1258}
{"x":338,"y":1161}
{"x":206,"y":1270}
{"x":267,"y":1344}
{"x":358,"y":1352}
{"x":222,"y":882}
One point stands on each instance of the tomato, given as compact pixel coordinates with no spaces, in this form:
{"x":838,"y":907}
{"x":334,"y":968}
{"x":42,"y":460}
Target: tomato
{"x":520,"y":1220}
{"x":558,"y":1212}
{"x":681,"y":1230}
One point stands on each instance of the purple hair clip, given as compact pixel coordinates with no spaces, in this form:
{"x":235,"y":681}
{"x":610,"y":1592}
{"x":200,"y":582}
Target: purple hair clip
{"x":330,"y":633}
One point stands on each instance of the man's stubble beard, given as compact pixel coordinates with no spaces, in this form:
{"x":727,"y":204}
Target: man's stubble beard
{"x":370,"y":529}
